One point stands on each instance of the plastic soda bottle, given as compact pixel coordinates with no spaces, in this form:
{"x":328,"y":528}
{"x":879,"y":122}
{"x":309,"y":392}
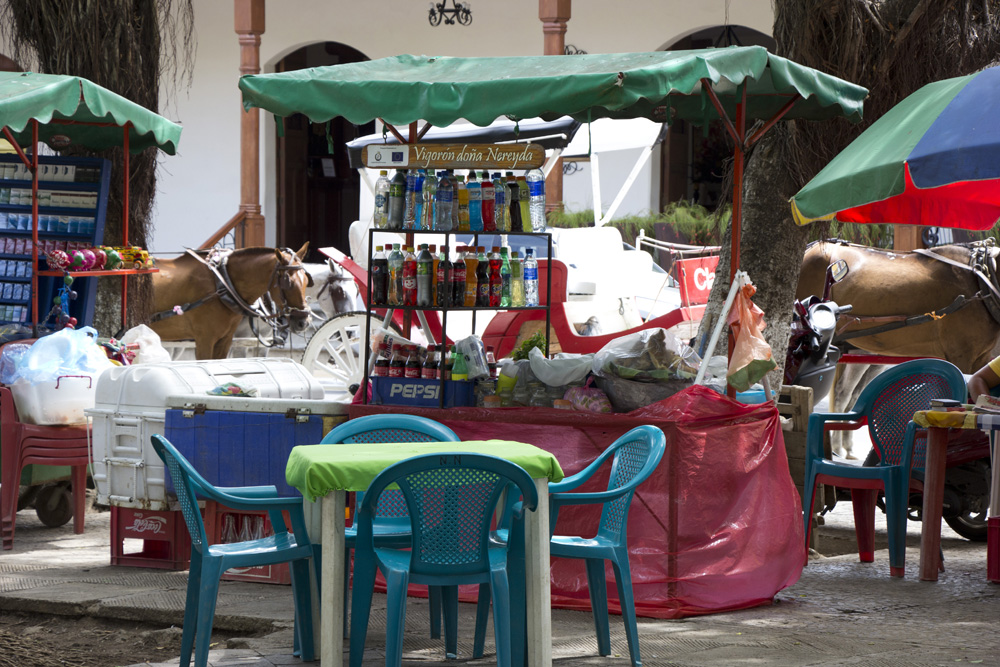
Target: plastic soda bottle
{"x":475,"y":203}
{"x":514,"y":205}
{"x":382,"y":200}
{"x":489,"y":202}
{"x":463,"y":205}
{"x":409,"y":214}
{"x":536,"y":199}
{"x":522,"y":200}
{"x":380,"y":277}
{"x":409,"y":278}
{"x":491,"y":361}
{"x":458,"y":269}
{"x":397,"y":363}
{"x":395,"y":276}
{"x":482,"y":278}
{"x":381,"y":368}
{"x":430,"y":197}
{"x":429,"y":370}
{"x":501,"y":217}
{"x":418,"y":199}
{"x":471,"y":277}
{"x":496,"y":278}
{"x":397,"y":200}
{"x":425,"y":276}
{"x":530,"y":278}
{"x":459,"y":369}
{"x":443,"y":203}
{"x":454,"y":199}
{"x":504,"y":277}
{"x":434,"y":272}
{"x":442,"y":295}
{"x":516,"y":281}
{"x":413,"y":365}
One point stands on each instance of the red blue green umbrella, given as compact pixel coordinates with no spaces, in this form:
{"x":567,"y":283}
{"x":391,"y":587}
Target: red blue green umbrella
{"x":933,"y":159}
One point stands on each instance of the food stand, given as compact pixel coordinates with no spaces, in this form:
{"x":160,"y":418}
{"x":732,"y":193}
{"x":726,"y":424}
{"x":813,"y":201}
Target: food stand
{"x":727,"y":454}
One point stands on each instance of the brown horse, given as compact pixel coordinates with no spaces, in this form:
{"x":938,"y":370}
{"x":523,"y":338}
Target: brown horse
{"x":884,"y":283}
{"x":188,"y":285}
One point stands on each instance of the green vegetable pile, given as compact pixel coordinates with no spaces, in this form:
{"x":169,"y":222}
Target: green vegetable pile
{"x":522,"y":350}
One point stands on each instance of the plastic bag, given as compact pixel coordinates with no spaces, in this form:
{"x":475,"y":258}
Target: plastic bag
{"x":151,"y":350}
{"x":751,"y":358}
{"x":563,"y":369}
{"x":10,"y":359}
{"x":588,"y":399}
{"x":475,"y":357}
{"x":65,"y":352}
{"x":650,"y":355}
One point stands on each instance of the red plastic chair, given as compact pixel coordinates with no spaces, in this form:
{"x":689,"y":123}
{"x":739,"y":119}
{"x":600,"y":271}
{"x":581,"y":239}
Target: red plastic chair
{"x":23,"y":444}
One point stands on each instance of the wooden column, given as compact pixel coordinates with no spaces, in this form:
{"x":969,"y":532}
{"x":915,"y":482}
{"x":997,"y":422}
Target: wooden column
{"x":249,"y":21}
{"x":554,"y":14}
{"x":906,"y":237}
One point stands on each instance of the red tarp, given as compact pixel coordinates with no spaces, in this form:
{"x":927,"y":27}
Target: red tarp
{"x":717,"y":527}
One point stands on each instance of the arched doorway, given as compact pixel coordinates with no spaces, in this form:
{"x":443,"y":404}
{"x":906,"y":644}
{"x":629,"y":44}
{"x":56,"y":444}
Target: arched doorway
{"x":692,"y":162}
{"x":317,"y":191}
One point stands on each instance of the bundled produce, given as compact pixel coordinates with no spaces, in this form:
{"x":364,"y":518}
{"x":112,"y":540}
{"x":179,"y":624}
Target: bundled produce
{"x":651,"y":355}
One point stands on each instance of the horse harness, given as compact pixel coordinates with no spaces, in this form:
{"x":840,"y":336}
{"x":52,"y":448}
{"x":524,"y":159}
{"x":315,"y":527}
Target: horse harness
{"x":982,"y":263}
{"x":226,"y":292}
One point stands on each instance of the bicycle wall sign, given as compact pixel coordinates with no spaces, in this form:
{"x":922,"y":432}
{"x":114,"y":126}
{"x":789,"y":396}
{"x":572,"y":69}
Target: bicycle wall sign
{"x":454,"y":156}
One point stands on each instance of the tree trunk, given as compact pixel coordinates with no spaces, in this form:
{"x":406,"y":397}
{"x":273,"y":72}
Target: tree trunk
{"x":125,"y":46}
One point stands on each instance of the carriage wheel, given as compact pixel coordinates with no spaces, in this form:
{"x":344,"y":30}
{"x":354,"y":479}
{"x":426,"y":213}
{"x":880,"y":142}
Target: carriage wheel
{"x":334,"y":354}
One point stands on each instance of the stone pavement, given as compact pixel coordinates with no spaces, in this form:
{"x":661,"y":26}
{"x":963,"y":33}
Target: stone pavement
{"x":841,"y":612}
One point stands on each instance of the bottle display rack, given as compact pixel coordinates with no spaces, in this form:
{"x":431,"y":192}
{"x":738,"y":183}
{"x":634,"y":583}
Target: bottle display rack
{"x":411,"y":235}
{"x":72,"y":204}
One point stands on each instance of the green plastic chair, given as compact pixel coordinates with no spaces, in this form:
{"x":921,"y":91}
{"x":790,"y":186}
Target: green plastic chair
{"x":392,"y":521}
{"x":210,"y":561}
{"x":451,"y":499}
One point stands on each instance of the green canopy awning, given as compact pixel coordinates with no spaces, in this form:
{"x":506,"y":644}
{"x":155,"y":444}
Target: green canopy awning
{"x":49,"y":98}
{"x":663,"y":86}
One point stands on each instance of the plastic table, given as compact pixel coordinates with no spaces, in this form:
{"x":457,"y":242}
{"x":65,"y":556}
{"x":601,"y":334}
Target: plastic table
{"x":937,"y":423}
{"x":330,"y":471}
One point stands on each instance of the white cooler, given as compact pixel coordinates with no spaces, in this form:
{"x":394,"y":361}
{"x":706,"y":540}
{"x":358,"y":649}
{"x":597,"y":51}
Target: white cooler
{"x":131,"y":404}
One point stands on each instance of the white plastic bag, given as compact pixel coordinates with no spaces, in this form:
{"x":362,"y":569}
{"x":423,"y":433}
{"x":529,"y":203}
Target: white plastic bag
{"x":563,"y":369}
{"x":475,"y":357}
{"x":65,"y":352}
{"x":151,"y":350}
{"x":650,"y":355}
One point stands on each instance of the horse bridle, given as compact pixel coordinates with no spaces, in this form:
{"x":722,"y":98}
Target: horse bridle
{"x":264,"y":308}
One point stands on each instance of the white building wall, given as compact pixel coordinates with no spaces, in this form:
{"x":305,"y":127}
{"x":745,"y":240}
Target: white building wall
{"x":199,"y":189}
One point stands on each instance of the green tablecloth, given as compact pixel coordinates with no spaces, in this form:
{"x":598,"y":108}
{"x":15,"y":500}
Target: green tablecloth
{"x":315,"y":470}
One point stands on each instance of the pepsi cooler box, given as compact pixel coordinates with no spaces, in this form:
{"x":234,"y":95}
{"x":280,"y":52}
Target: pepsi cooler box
{"x":418,"y":393}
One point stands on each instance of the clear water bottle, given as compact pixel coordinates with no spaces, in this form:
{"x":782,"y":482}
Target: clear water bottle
{"x":443,"y":198}
{"x":454,"y":199}
{"x":397,"y":203}
{"x":430,"y":195}
{"x":530,"y":278}
{"x":382,"y":200}
{"x":536,"y":199}
{"x":409,"y":215}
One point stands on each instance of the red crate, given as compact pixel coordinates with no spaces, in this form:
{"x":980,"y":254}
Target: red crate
{"x":166,"y":543}
{"x":245,"y":525}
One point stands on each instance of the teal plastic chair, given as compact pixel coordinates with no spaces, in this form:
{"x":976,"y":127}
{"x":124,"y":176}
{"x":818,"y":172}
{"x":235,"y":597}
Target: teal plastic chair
{"x":209,"y":562}
{"x":887,"y":404}
{"x":451,"y":498}
{"x":633,"y":457}
{"x":392,"y":521}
